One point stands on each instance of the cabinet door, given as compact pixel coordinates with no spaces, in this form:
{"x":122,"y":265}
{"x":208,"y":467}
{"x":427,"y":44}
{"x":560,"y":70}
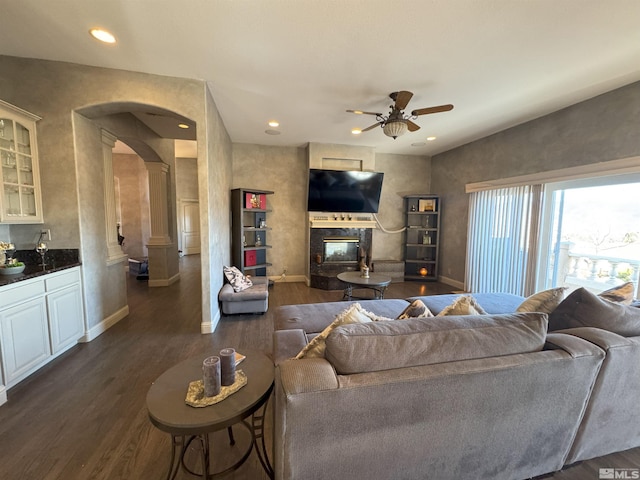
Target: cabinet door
{"x":20,"y":200}
{"x":65,"y":317}
{"x":25,"y":339}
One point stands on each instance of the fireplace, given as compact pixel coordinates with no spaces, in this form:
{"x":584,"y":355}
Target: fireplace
{"x":335,"y":250}
{"x":340,"y":249}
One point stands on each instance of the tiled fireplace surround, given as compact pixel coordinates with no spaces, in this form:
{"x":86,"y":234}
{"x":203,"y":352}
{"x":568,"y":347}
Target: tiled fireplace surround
{"x":323,"y":274}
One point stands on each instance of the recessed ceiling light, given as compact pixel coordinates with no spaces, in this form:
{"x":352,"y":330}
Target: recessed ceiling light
{"x":274,"y":123}
{"x":356,"y":131}
{"x":431,"y":139}
{"x":272,"y":132}
{"x":183,"y":125}
{"x":102,"y":35}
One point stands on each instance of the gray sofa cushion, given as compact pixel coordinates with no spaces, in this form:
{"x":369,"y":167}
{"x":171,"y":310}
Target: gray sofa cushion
{"x":377,"y":346}
{"x":315,"y":317}
{"x":582,"y":308}
{"x":258,"y":291}
{"x":491,"y":302}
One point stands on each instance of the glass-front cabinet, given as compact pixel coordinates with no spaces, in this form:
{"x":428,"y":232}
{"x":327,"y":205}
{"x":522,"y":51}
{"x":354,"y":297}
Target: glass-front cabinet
{"x":20,"y":200}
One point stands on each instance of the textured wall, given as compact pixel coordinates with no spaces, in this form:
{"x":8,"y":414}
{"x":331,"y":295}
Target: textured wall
{"x":597,"y":130}
{"x":54,"y":90}
{"x":403,"y":174}
{"x":134,"y":203}
{"x":104,"y":285}
{"x":284,"y":171}
{"x":187,"y":178}
{"x":331,"y":156}
{"x":214,"y":184}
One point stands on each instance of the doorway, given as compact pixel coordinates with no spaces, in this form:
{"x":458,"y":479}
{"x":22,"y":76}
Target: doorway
{"x":592,"y":234}
{"x":189,"y":227}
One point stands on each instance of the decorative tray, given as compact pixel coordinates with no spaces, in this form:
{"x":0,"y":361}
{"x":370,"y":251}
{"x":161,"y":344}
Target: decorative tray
{"x":195,"y":393}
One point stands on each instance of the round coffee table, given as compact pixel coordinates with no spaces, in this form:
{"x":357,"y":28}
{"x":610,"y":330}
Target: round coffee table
{"x":376,"y":282}
{"x":169,"y":412}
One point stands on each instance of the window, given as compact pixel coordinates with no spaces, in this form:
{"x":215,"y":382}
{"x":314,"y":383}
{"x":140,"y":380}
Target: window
{"x":591,"y":233}
{"x":577,"y":226}
{"x":502,"y":241}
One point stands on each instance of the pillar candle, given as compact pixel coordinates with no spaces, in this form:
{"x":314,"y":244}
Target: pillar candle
{"x":228,"y":366}
{"x":211,"y":376}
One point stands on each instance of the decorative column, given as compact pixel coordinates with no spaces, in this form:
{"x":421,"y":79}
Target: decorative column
{"x":158,"y":203}
{"x":162,"y":250}
{"x":114,"y":250}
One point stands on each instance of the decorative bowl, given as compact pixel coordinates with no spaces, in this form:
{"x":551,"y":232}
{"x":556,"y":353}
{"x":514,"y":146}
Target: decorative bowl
{"x":5,"y":270}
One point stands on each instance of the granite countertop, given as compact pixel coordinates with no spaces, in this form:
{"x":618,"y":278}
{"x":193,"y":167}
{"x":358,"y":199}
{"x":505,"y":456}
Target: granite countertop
{"x":56,"y":260}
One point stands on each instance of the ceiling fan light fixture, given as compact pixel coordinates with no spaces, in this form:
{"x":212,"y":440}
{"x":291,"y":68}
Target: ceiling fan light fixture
{"x":356,"y":131}
{"x":395,"y":129}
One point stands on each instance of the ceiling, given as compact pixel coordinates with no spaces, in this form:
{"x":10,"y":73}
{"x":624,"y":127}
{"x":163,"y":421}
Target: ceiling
{"x":304,"y":62}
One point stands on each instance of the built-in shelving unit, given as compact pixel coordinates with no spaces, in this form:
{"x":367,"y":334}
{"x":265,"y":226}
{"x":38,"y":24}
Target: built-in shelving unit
{"x":422,"y":237}
{"x":249,"y":247}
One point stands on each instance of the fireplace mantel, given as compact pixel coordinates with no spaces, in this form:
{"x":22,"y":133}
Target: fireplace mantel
{"x":341,"y":221}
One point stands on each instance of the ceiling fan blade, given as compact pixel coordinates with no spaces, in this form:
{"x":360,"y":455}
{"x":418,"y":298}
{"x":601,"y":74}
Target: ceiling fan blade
{"x":360,"y":112}
{"x":401,"y":98}
{"x":412,"y":126}
{"x":371,"y":127}
{"x":438,"y":109}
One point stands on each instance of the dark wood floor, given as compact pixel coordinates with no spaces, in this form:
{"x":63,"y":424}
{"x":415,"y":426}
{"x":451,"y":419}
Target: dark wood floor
{"x":83,"y":416}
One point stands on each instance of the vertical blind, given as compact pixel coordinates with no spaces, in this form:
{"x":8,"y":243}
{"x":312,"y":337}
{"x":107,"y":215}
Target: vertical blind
{"x":502,"y":243}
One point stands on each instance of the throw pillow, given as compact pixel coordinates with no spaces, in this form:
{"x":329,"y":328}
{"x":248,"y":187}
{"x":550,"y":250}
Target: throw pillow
{"x":545,"y":302}
{"x":416,"y":309}
{"x":463,"y":305}
{"x":582,"y":308}
{"x":238,"y":281}
{"x":354,"y":314}
{"x":620,"y":294}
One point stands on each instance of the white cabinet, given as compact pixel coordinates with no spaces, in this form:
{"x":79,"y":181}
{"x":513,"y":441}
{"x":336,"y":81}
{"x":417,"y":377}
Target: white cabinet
{"x":39,"y":319}
{"x":65,"y":313}
{"x":20,"y":197}
{"x":25,"y":338}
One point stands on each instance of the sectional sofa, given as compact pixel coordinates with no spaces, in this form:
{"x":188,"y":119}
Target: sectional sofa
{"x":491,"y":396}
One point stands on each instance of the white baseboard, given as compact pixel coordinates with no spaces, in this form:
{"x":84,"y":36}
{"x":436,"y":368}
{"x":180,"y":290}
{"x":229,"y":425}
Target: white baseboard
{"x":210,"y":327}
{"x":452,"y":282}
{"x":105,"y":325}
{"x":164,"y":282}
{"x":3,"y":395}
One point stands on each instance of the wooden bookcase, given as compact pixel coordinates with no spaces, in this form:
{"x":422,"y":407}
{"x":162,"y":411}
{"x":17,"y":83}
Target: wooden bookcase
{"x":249,"y":230}
{"x":422,"y":237}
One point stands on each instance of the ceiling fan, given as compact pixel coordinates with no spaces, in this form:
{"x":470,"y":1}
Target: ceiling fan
{"x":397,"y":123}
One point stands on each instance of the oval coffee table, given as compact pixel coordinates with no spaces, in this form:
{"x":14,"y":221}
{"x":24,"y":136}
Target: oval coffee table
{"x":376,"y":282}
{"x":169,"y":412}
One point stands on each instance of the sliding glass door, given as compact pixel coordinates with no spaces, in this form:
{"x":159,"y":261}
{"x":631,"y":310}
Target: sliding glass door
{"x":502,"y":241}
{"x":590,"y":235}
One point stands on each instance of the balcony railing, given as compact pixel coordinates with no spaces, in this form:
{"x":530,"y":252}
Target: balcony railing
{"x":595,"y":272}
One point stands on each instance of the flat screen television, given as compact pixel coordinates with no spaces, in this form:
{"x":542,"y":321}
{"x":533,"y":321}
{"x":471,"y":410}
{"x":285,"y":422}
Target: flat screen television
{"x":344,"y":191}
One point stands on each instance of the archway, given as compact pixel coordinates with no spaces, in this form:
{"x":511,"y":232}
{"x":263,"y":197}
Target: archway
{"x":124,"y":122}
